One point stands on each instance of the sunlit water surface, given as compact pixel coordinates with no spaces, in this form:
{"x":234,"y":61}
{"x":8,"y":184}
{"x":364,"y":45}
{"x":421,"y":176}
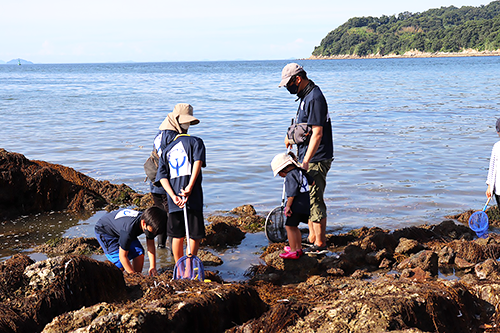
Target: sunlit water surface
{"x":412,"y":136}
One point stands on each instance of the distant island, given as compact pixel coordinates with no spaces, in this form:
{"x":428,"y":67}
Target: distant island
{"x":445,"y":31}
{"x":16,"y":62}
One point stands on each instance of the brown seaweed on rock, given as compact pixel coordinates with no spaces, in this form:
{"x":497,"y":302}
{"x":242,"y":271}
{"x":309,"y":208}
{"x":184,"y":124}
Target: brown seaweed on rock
{"x":492,"y":212}
{"x":247,"y":220}
{"x":30,"y":186}
{"x":169,"y":306}
{"x":54,"y":286}
{"x":372,"y":280}
{"x":64,"y":245}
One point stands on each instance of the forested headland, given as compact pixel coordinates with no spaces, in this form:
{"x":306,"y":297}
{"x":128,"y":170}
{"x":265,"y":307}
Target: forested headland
{"x":439,"y":30}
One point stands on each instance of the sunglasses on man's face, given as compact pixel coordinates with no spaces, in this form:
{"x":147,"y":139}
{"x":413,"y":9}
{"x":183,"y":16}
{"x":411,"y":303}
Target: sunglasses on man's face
{"x":291,"y":81}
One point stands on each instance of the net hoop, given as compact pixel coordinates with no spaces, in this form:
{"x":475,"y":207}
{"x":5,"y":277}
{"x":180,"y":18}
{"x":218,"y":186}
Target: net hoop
{"x":189,"y":267}
{"x":478,"y":222}
{"x":275,"y":225}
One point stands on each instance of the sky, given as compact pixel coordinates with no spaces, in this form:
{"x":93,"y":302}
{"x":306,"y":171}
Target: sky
{"x":98,"y":31}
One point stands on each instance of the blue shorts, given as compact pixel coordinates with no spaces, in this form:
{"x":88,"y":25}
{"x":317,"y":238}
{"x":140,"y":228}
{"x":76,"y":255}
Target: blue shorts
{"x":107,"y":242}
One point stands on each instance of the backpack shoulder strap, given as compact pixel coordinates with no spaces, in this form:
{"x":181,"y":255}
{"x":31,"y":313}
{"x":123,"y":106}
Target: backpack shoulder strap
{"x":179,"y":135}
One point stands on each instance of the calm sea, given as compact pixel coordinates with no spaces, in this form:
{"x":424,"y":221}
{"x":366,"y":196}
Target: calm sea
{"x":412,"y":136}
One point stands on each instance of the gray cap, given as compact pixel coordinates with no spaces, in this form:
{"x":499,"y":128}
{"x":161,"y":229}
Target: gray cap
{"x":289,"y":71}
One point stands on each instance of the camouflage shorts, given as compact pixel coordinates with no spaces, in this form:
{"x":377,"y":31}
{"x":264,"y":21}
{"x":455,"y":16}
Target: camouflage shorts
{"x":318,"y":170}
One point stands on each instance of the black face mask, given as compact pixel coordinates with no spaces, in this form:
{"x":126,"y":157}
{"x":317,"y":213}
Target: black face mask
{"x":292,"y":88}
{"x":149,"y":234}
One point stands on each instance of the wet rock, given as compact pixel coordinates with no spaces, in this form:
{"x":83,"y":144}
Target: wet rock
{"x":209,"y":259}
{"x":426,"y":260}
{"x":488,"y":270}
{"x":446,"y":256}
{"x":64,"y":245}
{"x":277,"y":319}
{"x":244,"y":210}
{"x":474,"y":252}
{"x":450,"y":229}
{"x":332,"y":293}
{"x":80,"y":318}
{"x":492,"y":212}
{"x":173,"y":306}
{"x":408,"y":246}
{"x":245,"y":221}
{"x":335,"y":271}
{"x":12,"y":275}
{"x":386,"y":263}
{"x":415,"y":274}
{"x":220,"y":234}
{"x":354,"y":254}
{"x":384,"y":305}
{"x":292,"y":270}
{"x":462,"y":264}
{"x":360,"y":274}
{"x":29,"y":187}
{"x":489,"y":292}
{"x":340,"y":240}
{"x":377,"y":241}
{"x":420,"y":234}
{"x":376,"y":258}
{"x":51,"y":287}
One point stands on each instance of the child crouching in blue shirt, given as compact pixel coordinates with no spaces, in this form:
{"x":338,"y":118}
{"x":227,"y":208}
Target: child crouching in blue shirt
{"x":298,"y":206}
{"x":117,"y":234}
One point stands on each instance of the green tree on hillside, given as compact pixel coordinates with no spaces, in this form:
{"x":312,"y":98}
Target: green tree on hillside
{"x":445,"y":29}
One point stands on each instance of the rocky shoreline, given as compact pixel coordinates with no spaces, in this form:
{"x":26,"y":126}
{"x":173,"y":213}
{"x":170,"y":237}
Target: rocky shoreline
{"x":438,"y":278}
{"x":412,"y":54}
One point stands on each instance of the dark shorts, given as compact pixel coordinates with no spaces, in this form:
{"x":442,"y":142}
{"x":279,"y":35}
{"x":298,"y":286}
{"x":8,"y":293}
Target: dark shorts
{"x":161,"y":201}
{"x":295,"y":219}
{"x":111,"y":248}
{"x":176,"y":228}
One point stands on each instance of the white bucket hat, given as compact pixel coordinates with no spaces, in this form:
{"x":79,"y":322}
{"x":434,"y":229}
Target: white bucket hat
{"x":281,"y":161}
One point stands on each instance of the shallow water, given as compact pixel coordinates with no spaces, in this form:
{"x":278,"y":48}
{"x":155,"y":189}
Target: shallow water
{"x":412,"y":136}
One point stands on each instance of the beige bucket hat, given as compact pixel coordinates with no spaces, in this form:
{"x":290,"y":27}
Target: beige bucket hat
{"x":281,"y":161}
{"x":182,"y":114}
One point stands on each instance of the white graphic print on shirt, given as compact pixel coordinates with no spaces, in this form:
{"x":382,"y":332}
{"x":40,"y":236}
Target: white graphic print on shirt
{"x":304,"y":186}
{"x":178,"y":161}
{"x":126,"y":212}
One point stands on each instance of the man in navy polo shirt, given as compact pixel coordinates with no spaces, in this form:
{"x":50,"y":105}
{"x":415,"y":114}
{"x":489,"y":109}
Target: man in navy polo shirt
{"x":315,"y":154}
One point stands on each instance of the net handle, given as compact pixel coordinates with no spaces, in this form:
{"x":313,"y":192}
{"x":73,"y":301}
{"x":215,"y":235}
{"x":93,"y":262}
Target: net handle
{"x":283,"y":194}
{"x":486,"y":205}
{"x":186,"y":224}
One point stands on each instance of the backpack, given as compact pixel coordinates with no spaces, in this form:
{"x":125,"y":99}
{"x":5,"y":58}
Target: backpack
{"x":151,"y":166}
{"x":152,"y":163}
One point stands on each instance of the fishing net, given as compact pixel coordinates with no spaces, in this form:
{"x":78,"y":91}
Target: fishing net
{"x":275,"y":225}
{"x":189,"y":267}
{"x":478,"y":222}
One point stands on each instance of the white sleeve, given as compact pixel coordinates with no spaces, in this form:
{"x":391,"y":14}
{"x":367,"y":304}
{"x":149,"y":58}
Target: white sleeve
{"x":492,"y":171}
